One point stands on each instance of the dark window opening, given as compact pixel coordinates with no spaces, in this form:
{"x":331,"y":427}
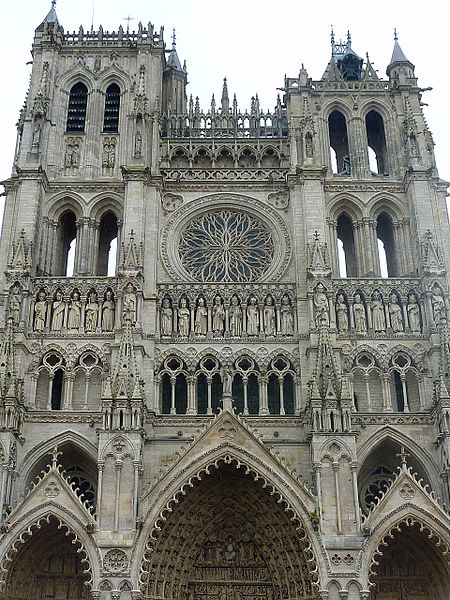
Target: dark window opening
{"x":385,"y":233}
{"x":337,"y":128}
{"x":57,"y":390}
{"x":345,"y":235}
{"x":76,"y":112}
{"x":399,"y":392}
{"x":273,"y":393}
{"x":376,"y":141}
{"x":112,"y":106}
{"x":288,"y":394}
{"x":166,"y":394}
{"x":107,"y":250}
{"x":68,"y":235}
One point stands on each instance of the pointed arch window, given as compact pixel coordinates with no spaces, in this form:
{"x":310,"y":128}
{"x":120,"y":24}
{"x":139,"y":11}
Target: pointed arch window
{"x":337,"y":129}
{"x":112,"y":107}
{"x":346,"y":247}
{"x":107,"y":248}
{"x":376,"y":141}
{"x":76,"y":112}
{"x":67,"y":244}
{"x":387,"y":252}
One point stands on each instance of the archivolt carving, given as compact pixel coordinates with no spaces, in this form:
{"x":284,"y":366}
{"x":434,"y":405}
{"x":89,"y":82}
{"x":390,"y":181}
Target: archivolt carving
{"x":272,"y":226}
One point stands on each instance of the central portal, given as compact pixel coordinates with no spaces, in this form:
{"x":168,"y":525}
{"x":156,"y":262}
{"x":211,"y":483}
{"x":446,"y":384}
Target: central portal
{"x":229,"y":539}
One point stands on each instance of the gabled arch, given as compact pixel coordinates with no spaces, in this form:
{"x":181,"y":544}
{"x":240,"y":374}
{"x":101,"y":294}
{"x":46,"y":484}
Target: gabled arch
{"x":58,"y":204}
{"x":104,"y":202}
{"x":386,"y":202}
{"x":114,"y":74}
{"x":77,"y":72}
{"x":345,"y":203}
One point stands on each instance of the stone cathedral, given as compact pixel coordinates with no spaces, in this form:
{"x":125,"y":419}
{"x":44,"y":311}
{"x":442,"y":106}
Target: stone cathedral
{"x":224,"y":333}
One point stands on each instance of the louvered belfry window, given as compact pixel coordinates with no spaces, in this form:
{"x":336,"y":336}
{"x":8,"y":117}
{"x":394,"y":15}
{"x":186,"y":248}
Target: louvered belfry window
{"x":112,"y":105}
{"x":76,"y":113}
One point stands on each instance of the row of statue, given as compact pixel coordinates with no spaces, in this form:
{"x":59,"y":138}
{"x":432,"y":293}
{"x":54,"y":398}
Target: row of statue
{"x":72,"y":313}
{"x":235,"y":318}
{"x":375,"y":313}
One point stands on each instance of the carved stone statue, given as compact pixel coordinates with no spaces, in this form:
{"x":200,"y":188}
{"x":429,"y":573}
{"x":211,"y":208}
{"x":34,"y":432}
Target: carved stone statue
{"x":138,"y":145}
{"x":108,"y":312}
{"x":321,"y":304}
{"x":359,"y":312}
{"x":183,"y":318}
{"x":40,"y":311}
{"x":413,"y":313}
{"x":129,"y":304}
{"x":252,"y":317}
{"x":346,"y":167}
{"x":74,"y":315}
{"x":270,"y":327}
{"x":91,"y":313}
{"x":438,"y":303}
{"x":395,"y":314}
{"x":287,"y":317}
{"x":15,"y":304}
{"x":201,"y":318}
{"x":378,"y":318}
{"x":166,"y":318}
{"x":235,"y":317}
{"x":341,"y":313}
{"x":218,"y":317}
{"x":58,"y":312}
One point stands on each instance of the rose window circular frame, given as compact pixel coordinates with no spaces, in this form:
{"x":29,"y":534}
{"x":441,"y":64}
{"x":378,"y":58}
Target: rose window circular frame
{"x":225,"y":238}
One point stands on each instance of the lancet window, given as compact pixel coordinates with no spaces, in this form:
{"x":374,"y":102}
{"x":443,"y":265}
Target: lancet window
{"x":51,"y":383}
{"x":76,"y":112}
{"x":173,"y":384}
{"x":112,"y":107}
{"x":65,"y":255}
{"x":346,"y":246}
{"x":280,"y":388}
{"x":337,"y":129}
{"x":107,"y":245}
{"x":376,"y":141}
{"x":387,"y":251}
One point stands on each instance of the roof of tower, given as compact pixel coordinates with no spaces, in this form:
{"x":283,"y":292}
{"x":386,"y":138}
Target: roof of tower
{"x":52,"y":16}
{"x":340,"y":51}
{"x":397,"y":54}
{"x":172,"y":60}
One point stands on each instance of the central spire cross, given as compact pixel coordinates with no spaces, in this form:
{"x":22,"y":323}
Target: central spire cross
{"x":127,"y":19}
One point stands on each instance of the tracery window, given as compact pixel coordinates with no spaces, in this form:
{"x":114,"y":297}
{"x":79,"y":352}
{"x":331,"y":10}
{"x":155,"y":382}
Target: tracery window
{"x":226,"y":245}
{"x":376,"y":483}
{"x":76,"y":112}
{"x":112,"y":106}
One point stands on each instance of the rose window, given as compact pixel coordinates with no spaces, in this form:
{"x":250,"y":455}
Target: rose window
{"x":226,"y":245}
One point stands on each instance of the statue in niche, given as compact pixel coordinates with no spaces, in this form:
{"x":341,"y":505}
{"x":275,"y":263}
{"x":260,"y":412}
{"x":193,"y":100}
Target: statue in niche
{"x":359,"y":312}
{"x":201,"y":318}
{"x":40,"y":311}
{"x":270,"y":327}
{"x":166,"y":318}
{"x":341,"y":313}
{"x":58,"y":312}
{"x":183,"y":318}
{"x":36,"y":133}
{"x":235,"y":317}
{"x":92,"y":313}
{"x":438,"y":304}
{"x":129,"y":304}
{"x":74,"y":315}
{"x":108,"y":312}
{"x":227,"y":380}
{"x":378,"y":318}
{"x":218,"y":317}
{"x":287,"y":317}
{"x":322,"y":307}
{"x":413,"y":311}
{"x":252,"y":317}
{"x":309,"y":146}
{"x":15,"y":304}
{"x":138,"y":144}
{"x":395,"y":314}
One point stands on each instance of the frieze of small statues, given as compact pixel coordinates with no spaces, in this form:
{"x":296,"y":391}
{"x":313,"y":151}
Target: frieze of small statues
{"x":234,"y":318}
{"x":91,"y":314}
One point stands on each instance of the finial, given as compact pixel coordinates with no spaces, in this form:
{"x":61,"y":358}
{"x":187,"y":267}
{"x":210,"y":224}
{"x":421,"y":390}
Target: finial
{"x":128,"y":19}
{"x":349,"y":38}
{"x":54,"y":454}
{"x":403,"y":454}
{"x":332,"y":37}
{"x":174,"y":39}
{"x":395,"y":35}
{"x":53,"y":3}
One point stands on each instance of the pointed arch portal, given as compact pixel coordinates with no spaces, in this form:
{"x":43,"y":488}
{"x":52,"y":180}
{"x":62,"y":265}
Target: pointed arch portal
{"x":229,"y":538}
{"x":47,"y":565}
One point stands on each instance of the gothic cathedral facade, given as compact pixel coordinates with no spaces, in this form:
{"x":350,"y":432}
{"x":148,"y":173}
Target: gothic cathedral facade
{"x":214,"y":320}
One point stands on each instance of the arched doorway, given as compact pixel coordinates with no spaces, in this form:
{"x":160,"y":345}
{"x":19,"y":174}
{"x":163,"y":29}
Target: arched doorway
{"x":48,"y":565}
{"x":229,"y":539}
{"x":411,"y":566}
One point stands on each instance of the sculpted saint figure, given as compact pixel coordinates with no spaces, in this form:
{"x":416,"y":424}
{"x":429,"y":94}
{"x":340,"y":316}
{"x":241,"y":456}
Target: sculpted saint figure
{"x":359,"y":312}
{"x":15,"y":304}
{"x":183,"y":318}
{"x":413,"y":313}
{"x":74,"y":318}
{"x":166,"y":318}
{"x":395,"y":314}
{"x":91,"y":312}
{"x":321,"y":304}
{"x":270,"y":327}
{"x":108,"y":312}
{"x":341,"y":313}
{"x":218,"y":317}
{"x":235,"y":317}
{"x":40,"y":310}
{"x":58,"y":312}
{"x":438,"y":304}
{"x":201,"y":318}
{"x":287,"y":318}
{"x":252,"y":317}
{"x":378,"y":318}
{"x":129,"y":304}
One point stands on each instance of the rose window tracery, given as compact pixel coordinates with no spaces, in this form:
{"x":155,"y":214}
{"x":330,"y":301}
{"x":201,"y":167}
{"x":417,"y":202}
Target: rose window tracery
{"x":226,"y":245}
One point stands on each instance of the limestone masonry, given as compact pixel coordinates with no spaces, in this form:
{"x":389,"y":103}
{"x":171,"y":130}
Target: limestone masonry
{"x":225,"y":355}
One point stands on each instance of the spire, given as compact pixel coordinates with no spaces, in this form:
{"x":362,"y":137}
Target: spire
{"x":8,"y":381}
{"x":126,"y":373}
{"x":173,"y":61}
{"x":398,"y":56}
{"x":52,"y":17}
{"x":225,"y":98}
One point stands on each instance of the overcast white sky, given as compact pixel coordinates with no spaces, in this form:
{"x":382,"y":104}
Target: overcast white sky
{"x":252,"y":43}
